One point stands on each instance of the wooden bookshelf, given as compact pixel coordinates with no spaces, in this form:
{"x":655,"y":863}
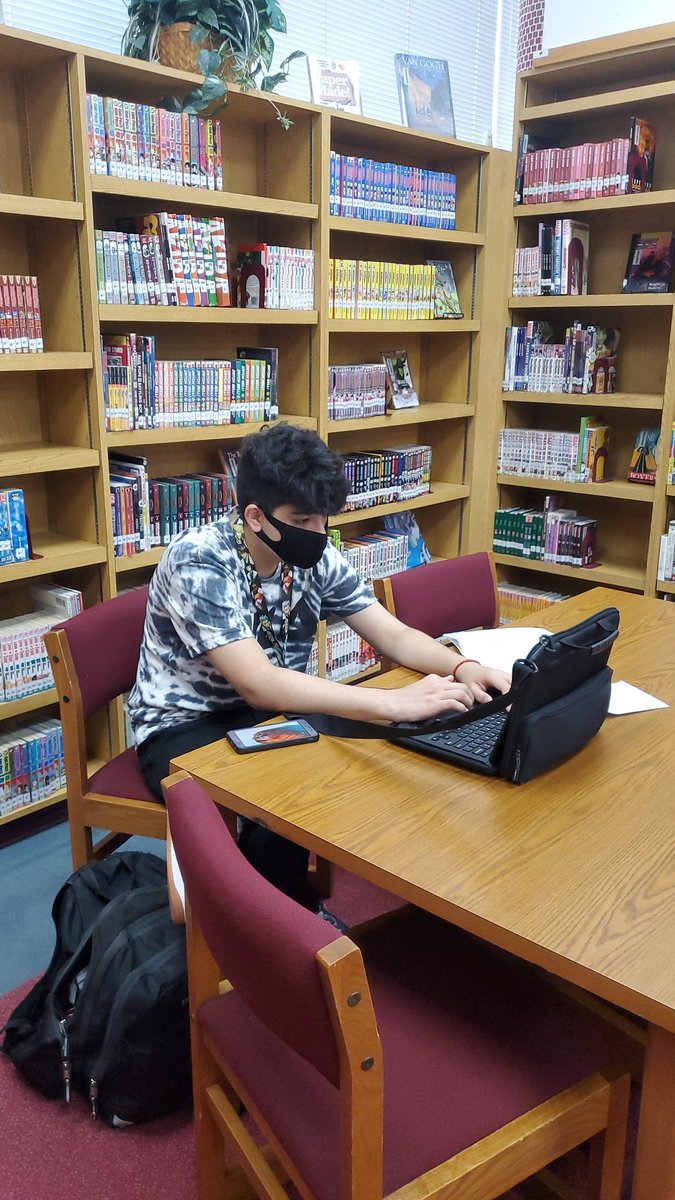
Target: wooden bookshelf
{"x":588,"y":94}
{"x":53,"y":438}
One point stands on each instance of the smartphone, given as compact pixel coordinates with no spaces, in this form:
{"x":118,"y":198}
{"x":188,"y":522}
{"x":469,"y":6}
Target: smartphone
{"x":270,"y":737}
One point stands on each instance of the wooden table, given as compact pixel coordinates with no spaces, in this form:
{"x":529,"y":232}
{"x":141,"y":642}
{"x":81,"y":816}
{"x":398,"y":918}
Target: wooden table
{"x":574,"y":871}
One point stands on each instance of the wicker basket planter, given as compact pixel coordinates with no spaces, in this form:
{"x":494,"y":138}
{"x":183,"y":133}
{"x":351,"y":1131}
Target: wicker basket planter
{"x":176,"y":49}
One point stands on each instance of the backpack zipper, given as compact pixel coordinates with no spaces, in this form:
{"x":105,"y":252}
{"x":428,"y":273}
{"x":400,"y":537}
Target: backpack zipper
{"x":65,"y":1061}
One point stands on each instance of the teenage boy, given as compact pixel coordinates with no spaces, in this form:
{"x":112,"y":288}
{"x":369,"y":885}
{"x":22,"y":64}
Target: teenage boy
{"x":232,"y":613}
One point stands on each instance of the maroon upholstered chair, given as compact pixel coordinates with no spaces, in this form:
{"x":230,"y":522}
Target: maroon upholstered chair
{"x":94,"y":658}
{"x":452,"y":594}
{"x":408,"y":1058}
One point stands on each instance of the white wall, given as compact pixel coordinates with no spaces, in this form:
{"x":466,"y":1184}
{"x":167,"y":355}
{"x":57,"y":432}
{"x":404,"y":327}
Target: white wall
{"x":567,"y":21}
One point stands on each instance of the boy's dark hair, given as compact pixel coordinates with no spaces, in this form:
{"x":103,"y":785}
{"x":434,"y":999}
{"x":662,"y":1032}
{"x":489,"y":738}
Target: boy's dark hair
{"x":287,"y":465}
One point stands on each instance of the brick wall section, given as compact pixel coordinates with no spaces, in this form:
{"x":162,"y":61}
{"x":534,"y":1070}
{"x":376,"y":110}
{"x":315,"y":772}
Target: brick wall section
{"x":530,"y":31}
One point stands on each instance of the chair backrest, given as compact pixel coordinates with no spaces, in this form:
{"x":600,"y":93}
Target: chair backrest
{"x":264,"y":943}
{"x":105,"y":643}
{"x":453,"y":594}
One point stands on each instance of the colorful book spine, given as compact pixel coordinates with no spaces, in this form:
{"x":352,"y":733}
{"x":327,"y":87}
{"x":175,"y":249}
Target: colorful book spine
{"x":141,"y":141}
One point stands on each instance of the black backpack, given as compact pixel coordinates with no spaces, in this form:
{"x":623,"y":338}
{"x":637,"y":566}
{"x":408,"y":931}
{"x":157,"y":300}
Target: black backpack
{"x":109,"y":1018}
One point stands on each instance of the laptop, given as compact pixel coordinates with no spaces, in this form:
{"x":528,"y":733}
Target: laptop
{"x":477,"y":746}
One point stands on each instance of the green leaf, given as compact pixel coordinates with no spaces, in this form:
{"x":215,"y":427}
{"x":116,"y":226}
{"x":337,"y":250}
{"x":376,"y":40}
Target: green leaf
{"x":198,"y":35}
{"x":213,"y":88}
{"x":185,"y":10}
{"x":209,"y":18}
{"x":283,"y":66}
{"x":209,"y":62}
{"x":270,"y":81}
{"x":276,"y":17}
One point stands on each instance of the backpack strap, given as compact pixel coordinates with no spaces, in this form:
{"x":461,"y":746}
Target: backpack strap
{"x":344,"y":727}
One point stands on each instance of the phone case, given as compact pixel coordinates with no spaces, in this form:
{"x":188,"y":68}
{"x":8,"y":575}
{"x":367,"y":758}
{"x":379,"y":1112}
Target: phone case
{"x":271,"y":737}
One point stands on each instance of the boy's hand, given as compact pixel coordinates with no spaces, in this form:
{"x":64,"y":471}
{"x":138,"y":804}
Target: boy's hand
{"x":428,"y":697}
{"x":479,"y":678}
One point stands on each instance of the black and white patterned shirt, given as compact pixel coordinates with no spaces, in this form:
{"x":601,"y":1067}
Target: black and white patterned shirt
{"x":200,"y":599}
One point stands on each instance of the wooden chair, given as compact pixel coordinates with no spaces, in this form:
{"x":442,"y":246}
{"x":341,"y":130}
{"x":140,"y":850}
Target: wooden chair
{"x":407,"y":1060}
{"x":455,"y":593}
{"x":94,"y":658}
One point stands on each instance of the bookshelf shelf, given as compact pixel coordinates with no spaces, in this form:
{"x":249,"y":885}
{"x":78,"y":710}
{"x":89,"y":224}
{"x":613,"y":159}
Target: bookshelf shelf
{"x":420,"y":233}
{"x":39,"y":206}
{"x":666,"y":585}
{"x":361,"y":325}
{"x":670,"y":489}
{"x":136,"y":562}
{"x":441,"y":493}
{"x":93,"y":766}
{"x":422,"y":414}
{"x":34,"y":457}
{"x":201,"y":433}
{"x":57,"y":553}
{"x":18,"y":708}
{"x":630,"y":400}
{"x":612,"y":490}
{"x":160,"y":314}
{"x":611,"y":300}
{"x":368,"y":673}
{"x":55,"y":360}
{"x":660,"y":198}
{"x":611,"y":574}
{"x":27,"y":809}
{"x":616,"y":101}
{"x":201,"y":198}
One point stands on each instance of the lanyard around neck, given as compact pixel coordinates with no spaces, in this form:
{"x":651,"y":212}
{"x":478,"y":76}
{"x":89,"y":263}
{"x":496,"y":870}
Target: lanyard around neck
{"x":278,"y":642}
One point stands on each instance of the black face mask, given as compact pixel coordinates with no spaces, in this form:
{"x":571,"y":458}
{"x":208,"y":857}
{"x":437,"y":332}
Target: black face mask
{"x":297,"y":547}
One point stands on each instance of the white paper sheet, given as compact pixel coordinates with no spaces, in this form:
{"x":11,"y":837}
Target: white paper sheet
{"x":626,"y":698}
{"x":496,"y":647}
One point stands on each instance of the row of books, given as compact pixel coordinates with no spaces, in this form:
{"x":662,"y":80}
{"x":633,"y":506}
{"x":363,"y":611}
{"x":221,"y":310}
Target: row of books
{"x":14,"y":539}
{"x":557,"y":265}
{"x":379,"y":191}
{"x":347,"y":653}
{"x":32,"y":766}
{"x":172,"y":258}
{"x":517,"y":603}
{"x":554,"y":535}
{"x":553,"y":454}
{"x":20,"y":318}
{"x":275,"y":276}
{"x":584,"y":363}
{"x":357,"y":390}
{"x":373,"y":290}
{"x":376,"y":555}
{"x":384,"y":476}
{"x":666,"y":567}
{"x":139,"y":141}
{"x":610,"y":168}
{"x":25,"y":667}
{"x":141,"y":392}
{"x":149,"y":512}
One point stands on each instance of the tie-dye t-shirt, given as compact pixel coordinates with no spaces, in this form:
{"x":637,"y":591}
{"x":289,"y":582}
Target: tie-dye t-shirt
{"x":200,"y":599}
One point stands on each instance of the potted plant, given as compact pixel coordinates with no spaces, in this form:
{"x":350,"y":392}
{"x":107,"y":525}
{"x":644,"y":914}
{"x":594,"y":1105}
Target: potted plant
{"x":226,"y":40}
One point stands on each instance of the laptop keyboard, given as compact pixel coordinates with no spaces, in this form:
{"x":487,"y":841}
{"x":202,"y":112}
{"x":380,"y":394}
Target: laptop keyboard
{"x":476,"y":740}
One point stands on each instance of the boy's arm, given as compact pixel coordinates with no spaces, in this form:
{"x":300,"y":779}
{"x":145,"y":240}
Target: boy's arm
{"x":414,"y":649}
{"x":265,"y":686}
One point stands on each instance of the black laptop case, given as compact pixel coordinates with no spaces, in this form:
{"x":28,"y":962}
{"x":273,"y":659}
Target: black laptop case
{"x":558,"y":701}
